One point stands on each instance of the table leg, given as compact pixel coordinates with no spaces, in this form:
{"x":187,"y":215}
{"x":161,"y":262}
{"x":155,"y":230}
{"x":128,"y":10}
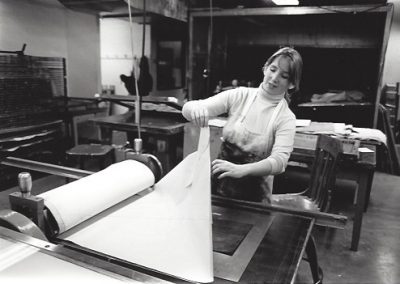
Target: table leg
{"x":363,"y":177}
{"x":369,"y":186}
{"x":105,"y":135}
{"x":311,"y":251}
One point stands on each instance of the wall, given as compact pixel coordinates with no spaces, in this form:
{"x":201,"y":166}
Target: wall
{"x":49,"y":29}
{"x":116,"y":52}
{"x":391,"y":72}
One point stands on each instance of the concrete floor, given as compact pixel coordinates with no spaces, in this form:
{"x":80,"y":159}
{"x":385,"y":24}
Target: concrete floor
{"x":378,"y":256}
{"x":376,"y":261}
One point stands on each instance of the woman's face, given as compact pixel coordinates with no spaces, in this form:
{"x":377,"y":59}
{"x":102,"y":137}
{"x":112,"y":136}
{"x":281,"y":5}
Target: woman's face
{"x":276,"y":76}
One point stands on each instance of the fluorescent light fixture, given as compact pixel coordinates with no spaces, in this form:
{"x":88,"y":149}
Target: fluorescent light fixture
{"x":286,"y":2}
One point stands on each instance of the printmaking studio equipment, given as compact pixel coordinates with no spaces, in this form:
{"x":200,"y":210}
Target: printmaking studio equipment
{"x":160,"y":231}
{"x":145,"y":229}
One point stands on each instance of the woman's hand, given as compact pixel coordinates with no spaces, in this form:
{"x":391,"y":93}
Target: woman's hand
{"x":199,"y":116}
{"x":227,"y":169}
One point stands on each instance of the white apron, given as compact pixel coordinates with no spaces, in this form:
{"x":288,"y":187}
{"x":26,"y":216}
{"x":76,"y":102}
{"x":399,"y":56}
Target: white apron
{"x":242,"y":146}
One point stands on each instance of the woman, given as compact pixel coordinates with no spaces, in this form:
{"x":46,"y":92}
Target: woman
{"x":258,"y":136}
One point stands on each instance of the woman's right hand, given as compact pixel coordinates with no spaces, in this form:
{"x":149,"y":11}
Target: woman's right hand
{"x":199,"y":116}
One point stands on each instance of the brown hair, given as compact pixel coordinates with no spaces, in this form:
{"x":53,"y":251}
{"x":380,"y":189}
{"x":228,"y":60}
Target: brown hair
{"x":295,"y":65}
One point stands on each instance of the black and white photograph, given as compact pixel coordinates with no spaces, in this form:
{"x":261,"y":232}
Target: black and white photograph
{"x":200,"y":141}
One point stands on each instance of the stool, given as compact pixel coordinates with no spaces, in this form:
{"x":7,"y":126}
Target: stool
{"x":84,"y":152}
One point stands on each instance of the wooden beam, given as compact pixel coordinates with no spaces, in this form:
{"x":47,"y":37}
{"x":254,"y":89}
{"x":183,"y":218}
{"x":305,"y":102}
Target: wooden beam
{"x":275,"y":11}
{"x":176,"y":9}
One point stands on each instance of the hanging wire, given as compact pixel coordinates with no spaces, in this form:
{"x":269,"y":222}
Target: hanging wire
{"x":210,"y":38}
{"x":144,"y":27}
{"x":207,"y":71}
{"x":137,"y":101}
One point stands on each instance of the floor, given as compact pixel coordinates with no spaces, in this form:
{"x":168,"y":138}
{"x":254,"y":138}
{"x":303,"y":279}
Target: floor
{"x":378,"y":257}
{"x":376,"y":261}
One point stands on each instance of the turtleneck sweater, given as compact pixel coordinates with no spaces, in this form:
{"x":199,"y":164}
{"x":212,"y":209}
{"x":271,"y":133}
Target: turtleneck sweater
{"x":275,"y":149}
{"x":261,"y":110}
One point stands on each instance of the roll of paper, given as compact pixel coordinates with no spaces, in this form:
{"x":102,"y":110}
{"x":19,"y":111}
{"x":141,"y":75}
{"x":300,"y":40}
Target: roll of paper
{"x":73,"y":203}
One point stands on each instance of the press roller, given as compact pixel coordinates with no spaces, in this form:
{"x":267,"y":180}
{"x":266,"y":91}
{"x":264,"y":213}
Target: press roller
{"x":34,"y":207}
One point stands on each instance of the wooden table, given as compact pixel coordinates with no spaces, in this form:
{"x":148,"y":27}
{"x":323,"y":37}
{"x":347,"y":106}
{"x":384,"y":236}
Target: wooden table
{"x":162,"y":135}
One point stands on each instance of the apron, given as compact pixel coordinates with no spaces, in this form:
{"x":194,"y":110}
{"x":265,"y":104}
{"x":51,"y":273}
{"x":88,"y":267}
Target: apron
{"x":249,"y":188}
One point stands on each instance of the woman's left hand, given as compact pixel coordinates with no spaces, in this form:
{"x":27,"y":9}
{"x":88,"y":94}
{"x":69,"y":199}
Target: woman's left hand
{"x":227,"y":169}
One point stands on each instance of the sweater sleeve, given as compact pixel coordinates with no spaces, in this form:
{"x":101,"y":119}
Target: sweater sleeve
{"x":215,"y":105}
{"x":283,"y":146}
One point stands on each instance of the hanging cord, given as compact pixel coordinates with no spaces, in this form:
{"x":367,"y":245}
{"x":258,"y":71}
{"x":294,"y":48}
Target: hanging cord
{"x":210,"y":38}
{"x":137,"y":101}
{"x":139,"y":98}
{"x":207,"y":71}
{"x":144,"y":27}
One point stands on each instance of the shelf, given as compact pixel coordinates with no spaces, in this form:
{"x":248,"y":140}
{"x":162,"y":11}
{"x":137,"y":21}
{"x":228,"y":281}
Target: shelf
{"x":337,"y":104}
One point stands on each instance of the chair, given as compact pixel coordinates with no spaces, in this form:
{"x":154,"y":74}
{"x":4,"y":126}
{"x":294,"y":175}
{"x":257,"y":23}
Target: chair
{"x":317,"y":196}
{"x":322,"y":180}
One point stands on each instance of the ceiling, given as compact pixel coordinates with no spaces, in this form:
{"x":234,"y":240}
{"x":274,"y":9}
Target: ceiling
{"x":156,"y":10}
{"x":95,"y":6}
{"x":109,"y":8}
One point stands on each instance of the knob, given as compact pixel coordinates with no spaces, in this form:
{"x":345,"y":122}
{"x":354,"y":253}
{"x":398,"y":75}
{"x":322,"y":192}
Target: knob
{"x":25,"y":183}
{"x":138,"y":144}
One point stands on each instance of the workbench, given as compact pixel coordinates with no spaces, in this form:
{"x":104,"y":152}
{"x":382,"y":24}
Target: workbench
{"x":162,"y":134}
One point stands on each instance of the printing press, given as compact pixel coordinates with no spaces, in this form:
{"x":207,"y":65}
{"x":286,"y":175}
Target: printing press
{"x":128,"y":222}
{"x":139,"y":227}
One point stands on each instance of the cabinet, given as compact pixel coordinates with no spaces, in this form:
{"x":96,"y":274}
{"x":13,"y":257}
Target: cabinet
{"x":343,"y":48}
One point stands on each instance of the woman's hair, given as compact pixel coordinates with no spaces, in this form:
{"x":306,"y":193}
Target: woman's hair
{"x":295,"y":65}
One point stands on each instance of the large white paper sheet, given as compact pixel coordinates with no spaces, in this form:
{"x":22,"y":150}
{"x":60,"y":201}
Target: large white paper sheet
{"x":169,"y":229}
{"x":80,"y":200}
